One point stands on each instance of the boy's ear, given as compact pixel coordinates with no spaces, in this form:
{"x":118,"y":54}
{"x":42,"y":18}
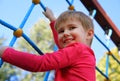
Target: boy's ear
{"x":90,"y":34}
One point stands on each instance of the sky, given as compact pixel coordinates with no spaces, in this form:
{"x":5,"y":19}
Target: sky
{"x":13,"y":12}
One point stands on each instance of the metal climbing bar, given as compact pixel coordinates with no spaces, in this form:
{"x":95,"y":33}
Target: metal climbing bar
{"x":27,"y":15}
{"x":71,"y":7}
{"x":92,"y":14}
{"x":101,"y":73}
{"x":72,"y":1}
{"x":108,"y":34}
{"x":22,"y":24}
{"x":1,"y":62}
{"x":7,"y":25}
{"x":102,"y":18}
{"x":69,"y":2}
{"x":12,"y":42}
{"x":46,"y":76}
{"x":24,"y":36}
{"x":104,"y":21}
{"x":115,"y":59}
{"x":10,"y":27}
{"x":43,"y":7}
{"x":106,"y":48}
{"x":101,"y":42}
{"x":107,"y":64}
{"x":32,"y":44}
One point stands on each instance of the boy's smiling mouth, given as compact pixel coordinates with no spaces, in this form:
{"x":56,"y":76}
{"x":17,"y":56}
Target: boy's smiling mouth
{"x":67,"y":40}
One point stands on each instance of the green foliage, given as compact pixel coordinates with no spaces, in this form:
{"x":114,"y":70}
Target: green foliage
{"x":114,"y":69}
{"x":2,"y":75}
{"x":5,"y":72}
{"x":41,"y":35}
{"x":2,"y":39}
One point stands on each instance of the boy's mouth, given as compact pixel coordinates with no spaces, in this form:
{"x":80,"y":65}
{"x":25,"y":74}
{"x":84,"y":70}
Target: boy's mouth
{"x":67,"y":40}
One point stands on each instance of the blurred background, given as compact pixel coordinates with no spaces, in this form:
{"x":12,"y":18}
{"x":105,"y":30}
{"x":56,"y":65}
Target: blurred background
{"x":37,"y":29}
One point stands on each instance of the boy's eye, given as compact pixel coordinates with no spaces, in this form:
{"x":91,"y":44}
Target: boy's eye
{"x":71,"y":28}
{"x":60,"y":31}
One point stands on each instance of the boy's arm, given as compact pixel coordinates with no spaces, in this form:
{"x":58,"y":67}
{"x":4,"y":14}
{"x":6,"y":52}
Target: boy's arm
{"x":49,"y":14}
{"x":55,"y":34}
{"x":33,"y":62}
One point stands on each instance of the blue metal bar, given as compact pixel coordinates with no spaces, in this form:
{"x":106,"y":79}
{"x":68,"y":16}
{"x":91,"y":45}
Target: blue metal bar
{"x":22,"y":24}
{"x":13,"y":28}
{"x":13,"y":41}
{"x":55,"y":48}
{"x":11,"y":45}
{"x":108,"y":35}
{"x":115,"y":58}
{"x":107,"y":64}
{"x":1,"y":62}
{"x":43,"y":7}
{"x":101,"y":72}
{"x":68,"y":2}
{"x":46,"y":76}
{"x":72,"y":1}
{"x":7,"y":25}
{"x":10,"y":27}
{"x":101,"y":42}
{"x":32,"y":44}
{"x":106,"y":48}
{"x":27,"y":15}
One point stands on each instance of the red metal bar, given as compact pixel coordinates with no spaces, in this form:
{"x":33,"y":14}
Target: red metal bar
{"x":103,"y":19}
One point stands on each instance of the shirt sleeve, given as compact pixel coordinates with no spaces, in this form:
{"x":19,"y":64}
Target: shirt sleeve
{"x":55,"y":34}
{"x":37,"y":63}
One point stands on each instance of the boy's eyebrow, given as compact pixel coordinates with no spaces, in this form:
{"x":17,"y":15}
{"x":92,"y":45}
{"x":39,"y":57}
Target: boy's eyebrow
{"x":71,"y":24}
{"x":59,"y":28}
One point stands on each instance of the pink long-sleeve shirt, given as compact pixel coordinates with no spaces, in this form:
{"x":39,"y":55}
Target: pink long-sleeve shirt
{"x":76,"y":62}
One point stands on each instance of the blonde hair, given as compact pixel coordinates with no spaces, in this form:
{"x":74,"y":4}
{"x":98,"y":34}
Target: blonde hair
{"x":85,"y":20}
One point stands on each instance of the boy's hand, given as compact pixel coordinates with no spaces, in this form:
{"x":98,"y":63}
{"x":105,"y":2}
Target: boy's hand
{"x":2,"y":49}
{"x":49,"y":14}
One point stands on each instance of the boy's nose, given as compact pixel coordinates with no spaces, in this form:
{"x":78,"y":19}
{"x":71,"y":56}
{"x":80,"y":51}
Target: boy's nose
{"x":66,"y":33}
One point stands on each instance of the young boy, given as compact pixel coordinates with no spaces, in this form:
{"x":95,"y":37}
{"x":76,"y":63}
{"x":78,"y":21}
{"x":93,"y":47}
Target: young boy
{"x":74,"y":61}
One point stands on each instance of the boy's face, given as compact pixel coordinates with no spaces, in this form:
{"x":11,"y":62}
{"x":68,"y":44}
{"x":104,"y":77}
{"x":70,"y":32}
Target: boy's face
{"x":72,"y":31}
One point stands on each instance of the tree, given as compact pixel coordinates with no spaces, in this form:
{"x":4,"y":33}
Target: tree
{"x":114,"y":69}
{"x":41,"y":34}
{"x":1,"y":40}
{"x":5,"y":73}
